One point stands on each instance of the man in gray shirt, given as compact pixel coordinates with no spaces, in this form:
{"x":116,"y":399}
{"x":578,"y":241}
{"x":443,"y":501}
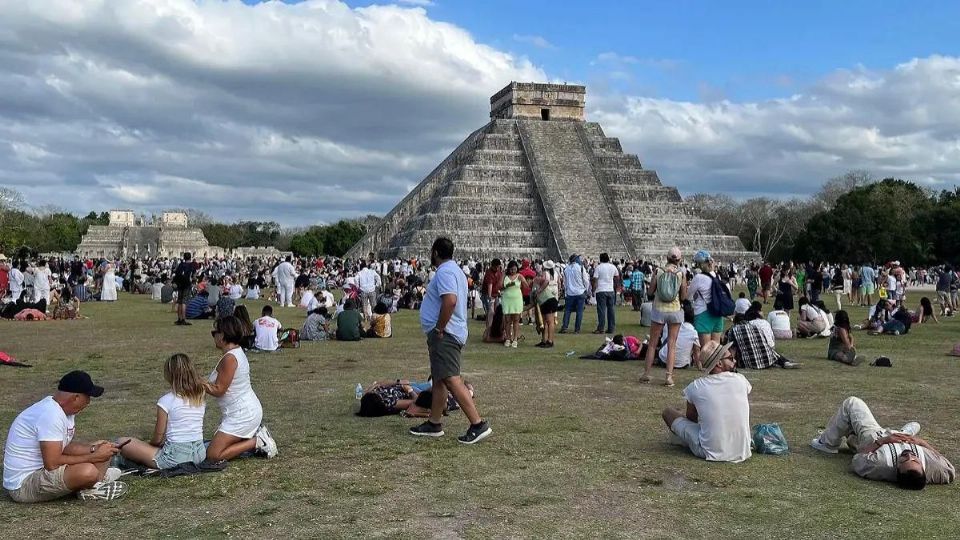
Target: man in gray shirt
{"x":884,"y":454}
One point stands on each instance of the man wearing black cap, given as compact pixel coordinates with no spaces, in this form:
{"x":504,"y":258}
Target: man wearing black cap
{"x":42,"y":462}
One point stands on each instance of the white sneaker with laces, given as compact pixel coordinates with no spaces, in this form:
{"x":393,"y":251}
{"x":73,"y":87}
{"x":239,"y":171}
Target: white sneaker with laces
{"x":819,"y":445}
{"x":103,"y":491}
{"x":265,"y":442}
{"x":911,"y":428}
{"x":112,"y":474}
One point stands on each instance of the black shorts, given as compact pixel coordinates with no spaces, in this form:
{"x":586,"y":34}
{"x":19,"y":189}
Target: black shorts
{"x":550,"y":306}
{"x":444,"y":355}
{"x":183,"y":293}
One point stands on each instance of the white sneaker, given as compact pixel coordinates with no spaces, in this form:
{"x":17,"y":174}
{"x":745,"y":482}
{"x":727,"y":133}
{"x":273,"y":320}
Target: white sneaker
{"x":112,"y":474}
{"x":103,"y":491}
{"x":506,"y":343}
{"x":514,"y":344}
{"x":265,"y":442}
{"x":911,"y":428}
{"x":819,"y":445}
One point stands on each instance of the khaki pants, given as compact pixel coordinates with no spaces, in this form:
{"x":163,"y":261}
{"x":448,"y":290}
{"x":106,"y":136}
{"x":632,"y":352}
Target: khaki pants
{"x":855,"y":422}
{"x":40,"y":486}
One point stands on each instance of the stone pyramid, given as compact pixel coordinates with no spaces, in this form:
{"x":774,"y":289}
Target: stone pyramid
{"x":538,"y":181}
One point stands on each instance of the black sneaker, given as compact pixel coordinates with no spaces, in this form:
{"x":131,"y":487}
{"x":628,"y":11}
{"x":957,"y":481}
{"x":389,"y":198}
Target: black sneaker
{"x":476,"y":433}
{"x":187,"y":323}
{"x":427,"y":429}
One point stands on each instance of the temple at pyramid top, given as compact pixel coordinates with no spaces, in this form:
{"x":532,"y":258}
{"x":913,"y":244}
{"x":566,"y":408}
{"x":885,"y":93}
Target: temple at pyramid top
{"x":538,"y":101}
{"x":538,"y":181}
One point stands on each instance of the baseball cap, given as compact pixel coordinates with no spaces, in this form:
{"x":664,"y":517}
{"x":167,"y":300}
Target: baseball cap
{"x":702,"y":256}
{"x":712,"y":353}
{"x":79,"y":382}
{"x":674,"y":254}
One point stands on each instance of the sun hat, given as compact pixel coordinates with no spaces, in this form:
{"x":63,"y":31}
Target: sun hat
{"x":702,"y":256}
{"x":674,"y":254}
{"x":549,"y":265}
{"x":712,"y":353}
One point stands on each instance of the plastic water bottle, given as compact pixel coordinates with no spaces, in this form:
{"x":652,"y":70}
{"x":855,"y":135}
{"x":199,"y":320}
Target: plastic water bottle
{"x":359,"y":391}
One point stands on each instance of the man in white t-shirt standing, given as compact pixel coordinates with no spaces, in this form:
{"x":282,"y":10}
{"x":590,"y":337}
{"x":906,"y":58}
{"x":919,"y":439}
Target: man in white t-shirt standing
{"x":267,"y":331}
{"x":716,"y":423}
{"x":605,"y":276}
{"x":369,"y":283}
{"x":42,"y":462}
{"x":284,"y":275}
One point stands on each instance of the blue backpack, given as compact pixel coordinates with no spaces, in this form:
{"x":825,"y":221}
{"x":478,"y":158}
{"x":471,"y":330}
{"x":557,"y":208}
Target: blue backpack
{"x":721,"y":302}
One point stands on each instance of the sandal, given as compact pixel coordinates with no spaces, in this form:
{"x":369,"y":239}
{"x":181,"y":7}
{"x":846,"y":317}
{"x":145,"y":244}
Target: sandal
{"x":669,"y":380}
{"x":645,"y":378}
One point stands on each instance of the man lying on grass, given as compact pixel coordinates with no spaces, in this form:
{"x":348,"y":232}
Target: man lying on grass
{"x":42,"y":462}
{"x":884,"y":454}
{"x":716,"y":423}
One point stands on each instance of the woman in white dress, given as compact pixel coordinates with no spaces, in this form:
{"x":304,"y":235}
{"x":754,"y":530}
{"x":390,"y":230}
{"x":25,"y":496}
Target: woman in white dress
{"x":108,"y":291}
{"x":241,"y":413}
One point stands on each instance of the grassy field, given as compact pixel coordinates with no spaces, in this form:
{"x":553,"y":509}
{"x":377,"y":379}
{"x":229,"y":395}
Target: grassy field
{"x":579,"y":449}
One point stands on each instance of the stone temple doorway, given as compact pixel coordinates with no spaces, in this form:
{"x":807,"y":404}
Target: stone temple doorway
{"x":544,"y":114}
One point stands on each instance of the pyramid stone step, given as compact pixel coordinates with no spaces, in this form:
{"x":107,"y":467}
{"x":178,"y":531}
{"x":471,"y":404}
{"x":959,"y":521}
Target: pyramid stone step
{"x":619,"y":161}
{"x":621,"y":176}
{"x":499,"y":240}
{"x":481,"y":173}
{"x":501,"y":141}
{"x":491,"y":189}
{"x":496,"y":207}
{"x":479,"y":222}
{"x":607,"y":144}
{"x":499,"y":157}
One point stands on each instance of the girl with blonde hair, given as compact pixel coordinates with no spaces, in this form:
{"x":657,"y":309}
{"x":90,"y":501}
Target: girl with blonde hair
{"x":178,"y":434}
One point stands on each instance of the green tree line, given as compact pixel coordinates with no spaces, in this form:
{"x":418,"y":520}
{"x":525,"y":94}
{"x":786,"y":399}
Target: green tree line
{"x":47,"y":230}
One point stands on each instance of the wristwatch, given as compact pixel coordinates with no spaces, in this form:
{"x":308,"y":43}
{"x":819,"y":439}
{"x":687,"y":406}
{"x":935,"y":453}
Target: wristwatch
{"x":93,"y":448}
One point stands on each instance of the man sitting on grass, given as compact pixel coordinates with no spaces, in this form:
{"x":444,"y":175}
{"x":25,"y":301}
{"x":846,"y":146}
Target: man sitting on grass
{"x":884,"y":454}
{"x":42,"y":462}
{"x":198,"y":307}
{"x":716,"y":423}
{"x":267,"y":330}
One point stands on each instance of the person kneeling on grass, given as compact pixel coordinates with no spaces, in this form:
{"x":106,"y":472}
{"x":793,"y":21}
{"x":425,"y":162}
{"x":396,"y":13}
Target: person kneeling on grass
{"x":240,"y":410}
{"x":884,"y":454}
{"x":178,"y":433}
{"x":716,"y":423}
{"x":841,"y":346}
{"x":42,"y":462}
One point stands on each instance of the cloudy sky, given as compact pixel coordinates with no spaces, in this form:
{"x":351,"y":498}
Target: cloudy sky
{"x":310,"y":111}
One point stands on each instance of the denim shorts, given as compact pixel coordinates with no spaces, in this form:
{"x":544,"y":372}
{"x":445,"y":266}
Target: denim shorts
{"x":173,"y":454}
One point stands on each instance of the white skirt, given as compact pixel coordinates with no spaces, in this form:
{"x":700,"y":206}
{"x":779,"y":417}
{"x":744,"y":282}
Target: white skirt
{"x":242,"y":421}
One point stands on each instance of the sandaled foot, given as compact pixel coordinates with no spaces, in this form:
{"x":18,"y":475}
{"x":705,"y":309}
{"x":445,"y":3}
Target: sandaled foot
{"x":645,"y":378}
{"x":668,"y":381}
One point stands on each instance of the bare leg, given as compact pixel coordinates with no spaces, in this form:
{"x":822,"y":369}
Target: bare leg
{"x":673,"y":330}
{"x":226,"y":447}
{"x":670,"y":415}
{"x":463,"y":397}
{"x":81,"y":476}
{"x":655,"y":330}
{"x":438,"y":402}
{"x":139,"y":451}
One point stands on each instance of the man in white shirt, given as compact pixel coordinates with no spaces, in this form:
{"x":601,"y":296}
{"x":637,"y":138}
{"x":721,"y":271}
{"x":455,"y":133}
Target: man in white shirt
{"x":267,"y":331}
{"x":16,"y":281}
{"x":716,"y":423}
{"x":284,"y":275}
{"x":576,"y":284}
{"x":604,"y":279}
{"x":42,"y":462}
{"x":369,"y":283}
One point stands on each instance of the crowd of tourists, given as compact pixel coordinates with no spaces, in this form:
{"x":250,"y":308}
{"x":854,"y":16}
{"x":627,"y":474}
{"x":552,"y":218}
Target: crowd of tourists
{"x":689,"y":307}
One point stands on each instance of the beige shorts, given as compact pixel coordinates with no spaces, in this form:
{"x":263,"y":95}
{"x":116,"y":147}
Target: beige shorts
{"x":689,"y":433}
{"x":41,"y":485}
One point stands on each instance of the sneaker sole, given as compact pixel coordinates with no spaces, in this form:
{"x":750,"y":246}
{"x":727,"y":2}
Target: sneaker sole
{"x":823,"y":449}
{"x":479,"y":438}
{"x":433,"y":435}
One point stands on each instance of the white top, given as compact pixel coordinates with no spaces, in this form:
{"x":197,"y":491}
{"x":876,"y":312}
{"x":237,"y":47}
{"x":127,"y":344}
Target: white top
{"x":779,"y":321}
{"x":284,"y":273}
{"x":328,"y":300}
{"x":767,"y":331}
{"x":604,"y":274}
{"x":155,"y":291}
{"x":42,"y":421}
{"x":724,"y":415}
{"x":686,"y":339}
{"x":368,"y":280}
{"x":184,"y":421}
{"x":41,"y":279}
{"x":308,"y":301}
{"x":16,"y":280}
{"x":239,"y":395}
{"x":812,"y":313}
{"x":699,"y":292}
{"x":575,"y":280}
{"x":741,"y":306}
{"x":236,"y":291}
{"x":266,"y":330}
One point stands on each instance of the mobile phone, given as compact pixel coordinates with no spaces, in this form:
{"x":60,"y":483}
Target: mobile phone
{"x":124,"y":443}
